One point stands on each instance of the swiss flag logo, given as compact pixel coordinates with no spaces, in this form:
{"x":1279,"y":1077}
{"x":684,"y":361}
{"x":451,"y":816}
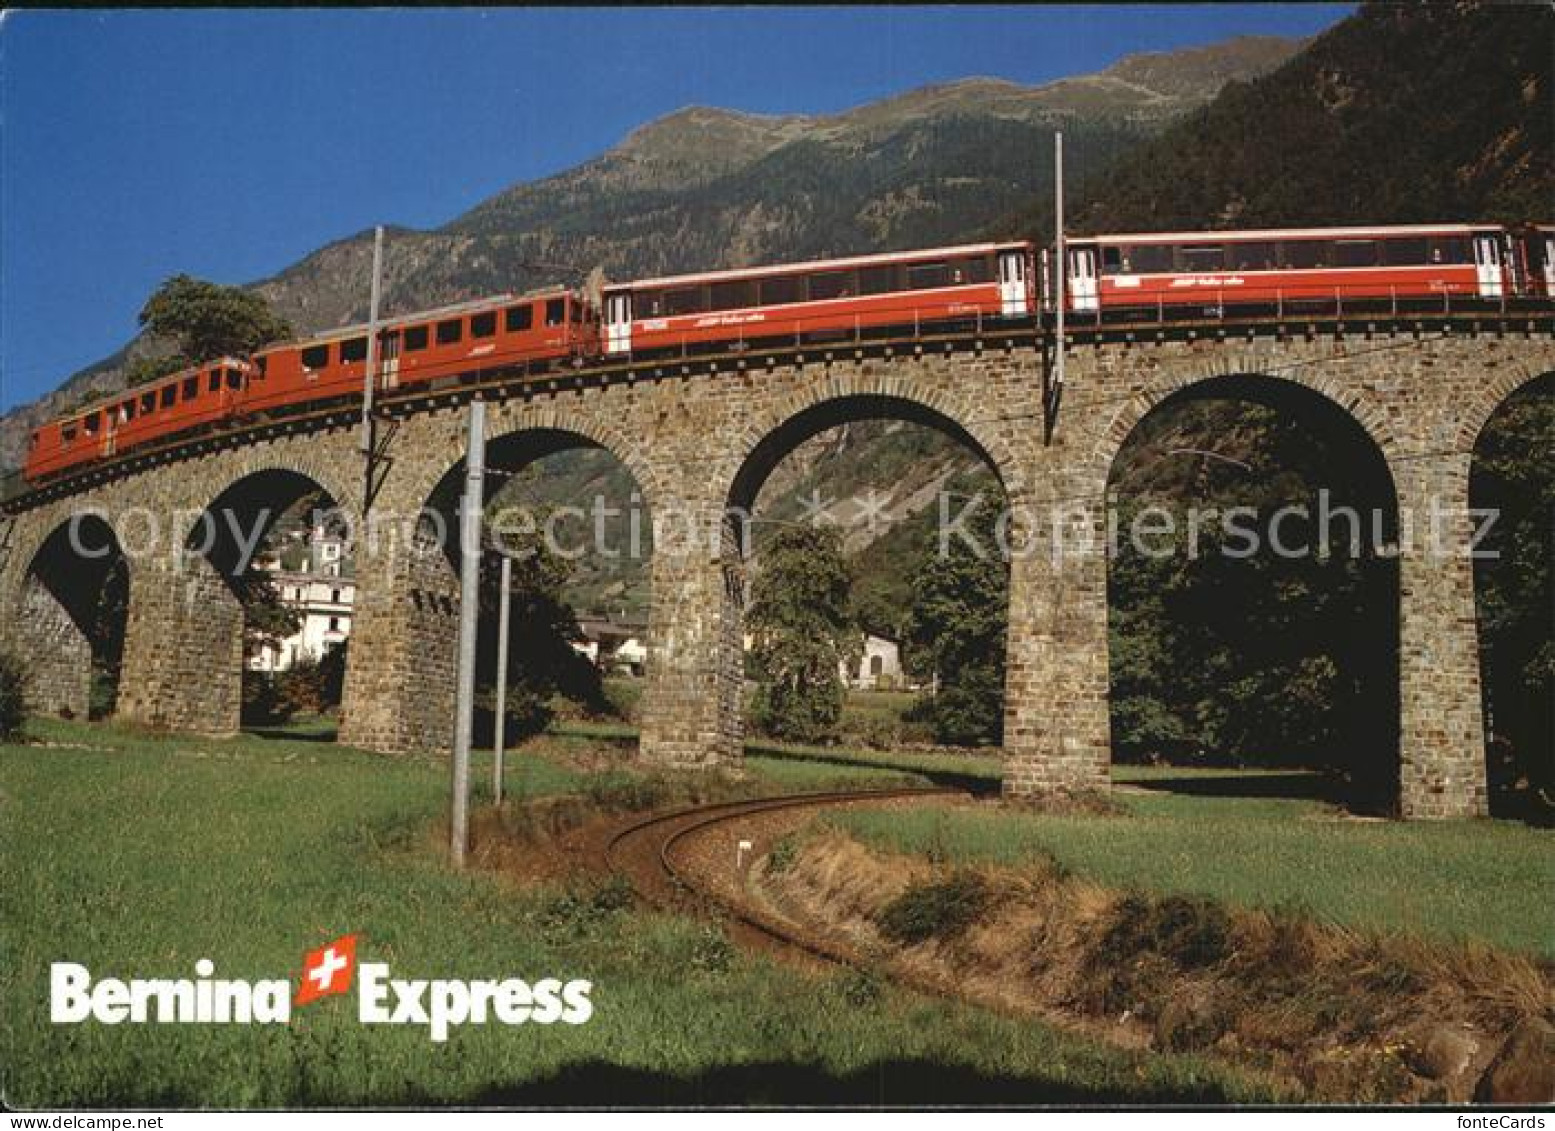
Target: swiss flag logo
{"x":327,"y":970}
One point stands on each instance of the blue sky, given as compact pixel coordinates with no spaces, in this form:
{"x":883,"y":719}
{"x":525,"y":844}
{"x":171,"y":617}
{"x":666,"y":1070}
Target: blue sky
{"x":134,"y":145}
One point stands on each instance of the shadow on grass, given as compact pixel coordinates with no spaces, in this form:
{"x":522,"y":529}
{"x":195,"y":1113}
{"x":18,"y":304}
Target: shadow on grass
{"x":893,"y":1083}
{"x":974,"y":783}
{"x":1296,"y":785}
{"x":294,"y":734}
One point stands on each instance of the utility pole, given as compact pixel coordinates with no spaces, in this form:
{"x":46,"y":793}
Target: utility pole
{"x":469,"y":609}
{"x":502,"y":672}
{"x":370,"y":379}
{"x":1060,"y":267}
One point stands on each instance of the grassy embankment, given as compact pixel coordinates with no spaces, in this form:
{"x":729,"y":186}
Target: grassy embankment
{"x":137,"y":855}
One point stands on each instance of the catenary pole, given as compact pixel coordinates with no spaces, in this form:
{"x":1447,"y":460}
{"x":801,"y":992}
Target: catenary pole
{"x":370,"y":378}
{"x":1060,"y":269}
{"x":502,"y":674}
{"x":469,"y":607}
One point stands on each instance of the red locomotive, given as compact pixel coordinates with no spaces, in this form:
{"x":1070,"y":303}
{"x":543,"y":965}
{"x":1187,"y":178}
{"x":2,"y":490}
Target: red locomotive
{"x":1151,"y":276}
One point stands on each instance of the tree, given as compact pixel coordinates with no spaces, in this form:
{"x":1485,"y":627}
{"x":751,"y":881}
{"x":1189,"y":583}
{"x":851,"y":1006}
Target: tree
{"x":801,"y":620}
{"x":208,"y":320}
{"x":956,"y":633}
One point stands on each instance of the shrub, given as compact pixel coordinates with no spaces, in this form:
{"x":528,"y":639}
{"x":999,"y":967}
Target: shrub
{"x":1190,"y":932}
{"x":265,"y":702}
{"x":711,"y":951}
{"x":941,"y":909}
{"x":860,"y":988}
{"x":782,"y":856}
{"x":13,"y":696}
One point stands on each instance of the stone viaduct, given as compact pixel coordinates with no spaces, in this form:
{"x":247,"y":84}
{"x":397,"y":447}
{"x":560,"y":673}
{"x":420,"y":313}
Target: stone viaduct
{"x":701,"y":435}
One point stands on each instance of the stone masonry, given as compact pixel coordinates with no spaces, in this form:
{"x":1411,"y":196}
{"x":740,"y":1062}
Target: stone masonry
{"x":701,"y":436}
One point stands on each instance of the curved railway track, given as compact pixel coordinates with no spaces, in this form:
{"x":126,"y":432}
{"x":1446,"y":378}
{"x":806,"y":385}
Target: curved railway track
{"x":644,"y":853}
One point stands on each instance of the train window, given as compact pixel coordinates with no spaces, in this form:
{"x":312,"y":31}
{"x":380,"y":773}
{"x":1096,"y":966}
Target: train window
{"x":315,"y":357}
{"x":213,"y":381}
{"x":831,"y":284}
{"x":126,"y":412}
{"x":353,"y":349}
{"x":923,"y":276}
{"x":973,"y":269}
{"x":90,"y":423}
{"x":520,"y":318}
{"x":1202,"y":257}
{"x":191,"y":388}
{"x":263,"y":364}
{"x":732,"y":295}
{"x":415,"y":338}
{"x":67,"y":433}
{"x":877,"y":280}
{"x":483,"y":325}
{"x":1253,"y":256}
{"x":148,"y":402}
{"x":234,"y":379}
{"x":1451,"y":249}
{"x":687,"y":300}
{"x":1355,"y":253}
{"x":1304,"y":254}
{"x":449,"y":331}
{"x":555,"y":312}
{"x":169,"y":396}
{"x":1407,"y":253}
{"x":1111,"y":260}
{"x":576,"y":310}
{"x":780,"y":290}
{"x":1147,"y":259}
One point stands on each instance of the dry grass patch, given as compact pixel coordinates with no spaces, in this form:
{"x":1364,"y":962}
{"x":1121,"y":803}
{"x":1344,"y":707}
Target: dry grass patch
{"x":1339,"y":1014}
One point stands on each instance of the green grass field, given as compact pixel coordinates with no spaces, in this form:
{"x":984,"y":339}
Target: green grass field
{"x":137,"y":855}
{"x":1453,"y":880}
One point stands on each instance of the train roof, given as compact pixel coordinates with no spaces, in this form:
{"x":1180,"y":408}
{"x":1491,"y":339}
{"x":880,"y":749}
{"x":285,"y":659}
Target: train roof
{"x":1286,"y":233}
{"x":431,"y":314}
{"x":814,"y":265}
{"x":131,"y":391}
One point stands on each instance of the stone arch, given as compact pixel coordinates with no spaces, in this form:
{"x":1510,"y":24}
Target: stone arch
{"x":511,"y":446}
{"x":1509,"y":635}
{"x":855,"y":393}
{"x":1368,"y":417}
{"x":185,"y":655}
{"x":1360,"y":440}
{"x":695,"y":714}
{"x":1491,"y":396}
{"x":70,"y":611}
{"x":400,"y":687}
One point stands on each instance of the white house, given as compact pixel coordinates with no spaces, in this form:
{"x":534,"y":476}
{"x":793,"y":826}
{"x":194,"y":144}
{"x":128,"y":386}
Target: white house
{"x":323,"y":596}
{"x":879,"y":666}
{"x":323,"y":606}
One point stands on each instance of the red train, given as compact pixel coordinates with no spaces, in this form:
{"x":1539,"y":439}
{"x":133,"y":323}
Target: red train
{"x":832,"y":298}
{"x":1145,"y":276}
{"x":1299,"y":270}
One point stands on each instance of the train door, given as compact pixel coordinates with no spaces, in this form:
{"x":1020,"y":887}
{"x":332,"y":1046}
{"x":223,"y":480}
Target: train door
{"x":1013,"y":288}
{"x":1082,"y":279}
{"x":618,"y":323}
{"x":1487,"y":262}
{"x":1543,"y":244}
{"x":389,"y":360}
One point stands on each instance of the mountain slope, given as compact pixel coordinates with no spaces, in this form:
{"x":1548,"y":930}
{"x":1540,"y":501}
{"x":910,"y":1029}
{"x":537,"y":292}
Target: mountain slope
{"x":704,"y":188}
{"x":1401,"y":113}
